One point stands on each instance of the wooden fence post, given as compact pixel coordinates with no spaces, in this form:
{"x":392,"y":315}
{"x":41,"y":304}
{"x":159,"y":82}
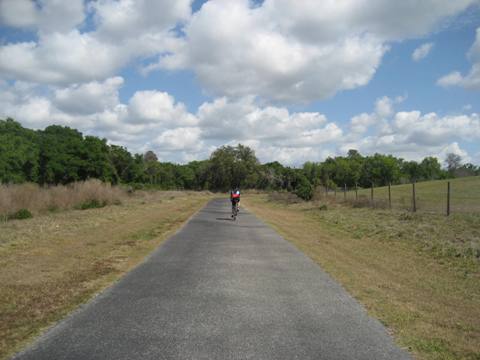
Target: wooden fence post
{"x":389,"y":195}
{"x":356,"y":191}
{"x":371,"y":194}
{"x":448,"y":198}
{"x":414,"y":198}
{"x":345,"y":192}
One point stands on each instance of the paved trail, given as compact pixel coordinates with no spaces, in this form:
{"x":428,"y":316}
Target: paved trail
{"x":221,"y":289}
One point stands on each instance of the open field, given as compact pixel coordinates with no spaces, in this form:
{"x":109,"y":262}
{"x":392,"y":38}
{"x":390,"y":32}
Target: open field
{"x":52,"y":263}
{"x":418,"y":273}
{"x":431,"y":196}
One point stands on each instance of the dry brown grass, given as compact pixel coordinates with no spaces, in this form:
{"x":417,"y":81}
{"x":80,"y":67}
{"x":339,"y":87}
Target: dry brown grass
{"x":430,"y":302}
{"x":41,"y":199}
{"x":52,"y":263}
{"x":284,"y":197}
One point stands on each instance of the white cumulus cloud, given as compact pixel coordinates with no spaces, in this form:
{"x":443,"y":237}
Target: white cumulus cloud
{"x":160,"y":108}
{"x":471,"y":80}
{"x":63,"y":54}
{"x":44,"y":15}
{"x":243,"y":120}
{"x":18,"y":13}
{"x":413,"y":135}
{"x":298,"y":51}
{"x":180,"y":139}
{"x":88,"y":98}
{"x":118,"y":19}
{"x":422,"y":51}
{"x":282,"y":50}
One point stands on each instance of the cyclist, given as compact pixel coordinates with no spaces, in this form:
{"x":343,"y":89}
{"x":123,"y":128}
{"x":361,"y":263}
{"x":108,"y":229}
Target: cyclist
{"x":235,"y":199}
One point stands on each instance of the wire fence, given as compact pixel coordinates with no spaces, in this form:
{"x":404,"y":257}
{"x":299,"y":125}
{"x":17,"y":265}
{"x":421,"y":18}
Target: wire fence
{"x":441,"y":197}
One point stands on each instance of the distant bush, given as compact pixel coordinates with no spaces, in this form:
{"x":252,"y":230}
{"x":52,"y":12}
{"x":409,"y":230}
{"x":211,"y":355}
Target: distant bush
{"x":91,"y":204}
{"x":20,"y":215}
{"x":303,"y":188}
{"x":304,"y":191}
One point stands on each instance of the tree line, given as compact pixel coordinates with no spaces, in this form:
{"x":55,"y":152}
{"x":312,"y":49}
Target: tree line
{"x":61,"y":155}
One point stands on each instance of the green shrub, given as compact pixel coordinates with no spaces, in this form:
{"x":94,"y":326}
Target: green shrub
{"x":304,"y":190}
{"x":92,"y":204}
{"x":20,"y":215}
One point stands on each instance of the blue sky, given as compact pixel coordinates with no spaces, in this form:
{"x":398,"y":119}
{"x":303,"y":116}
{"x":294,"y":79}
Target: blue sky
{"x":296,"y":81}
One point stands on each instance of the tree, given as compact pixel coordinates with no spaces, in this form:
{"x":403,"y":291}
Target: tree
{"x":327,"y":172}
{"x":185,"y":177}
{"x":18,"y":153}
{"x":153,"y":170}
{"x":303,"y":188}
{"x":200,"y":170}
{"x":271,"y":176}
{"x":356,"y":163}
{"x":246,"y":170}
{"x":412,"y":170}
{"x":380,"y":170}
{"x":140,"y":173}
{"x":97,"y":163}
{"x":431,"y":169}
{"x":220,"y":173}
{"x":343,"y":172}
{"x":61,"y":150}
{"x":151,"y":167}
{"x":232,"y":166}
{"x":126,"y":169}
{"x":354,"y":154}
{"x":312,"y":172}
{"x":150,"y":156}
{"x":453,"y":162}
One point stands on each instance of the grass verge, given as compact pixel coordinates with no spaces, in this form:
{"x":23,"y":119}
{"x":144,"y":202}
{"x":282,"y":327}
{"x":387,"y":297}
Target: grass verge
{"x":429,"y":299}
{"x":51,"y":264}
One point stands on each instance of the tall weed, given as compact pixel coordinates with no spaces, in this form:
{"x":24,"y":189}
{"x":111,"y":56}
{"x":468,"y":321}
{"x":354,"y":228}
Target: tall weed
{"x":39,"y":199}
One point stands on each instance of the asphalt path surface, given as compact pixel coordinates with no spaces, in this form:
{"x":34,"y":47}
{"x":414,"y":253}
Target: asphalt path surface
{"x":220,"y":289}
